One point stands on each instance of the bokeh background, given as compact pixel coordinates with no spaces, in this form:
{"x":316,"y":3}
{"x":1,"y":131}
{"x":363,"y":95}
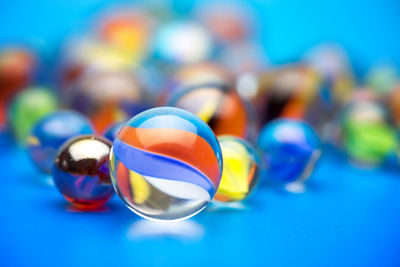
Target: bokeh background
{"x":349,"y":215}
{"x":367,"y":30}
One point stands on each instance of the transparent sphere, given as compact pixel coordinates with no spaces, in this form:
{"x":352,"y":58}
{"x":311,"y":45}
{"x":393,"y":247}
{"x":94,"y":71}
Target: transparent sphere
{"x":166,"y":164}
{"x":219,"y":105}
{"x":81,"y":171}
{"x":51,"y":132}
{"x":290,"y":150}
{"x":241,"y":169}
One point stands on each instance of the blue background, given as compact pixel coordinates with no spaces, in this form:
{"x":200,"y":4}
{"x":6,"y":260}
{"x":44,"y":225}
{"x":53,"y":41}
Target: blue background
{"x":368,"y":30}
{"x":348,"y":216}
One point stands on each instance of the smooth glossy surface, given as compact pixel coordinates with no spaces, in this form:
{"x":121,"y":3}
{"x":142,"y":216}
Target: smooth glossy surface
{"x":218,"y":105}
{"x":51,"y":132}
{"x":166,"y":164}
{"x":290,"y":150}
{"x":81,"y":171}
{"x":241,"y":169}
{"x":27,"y":108}
{"x":111,"y":132}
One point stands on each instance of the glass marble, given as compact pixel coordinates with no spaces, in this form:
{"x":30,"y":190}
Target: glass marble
{"x":218,"y":105}
{"x":51,"y":132}
{"x":27,"y":108}
{"x":290,"y":149}
{"x":111,"y":132}
{"x":367,"y":135}
{"x":81,"y":171}
{"x":166,"y":164}
{"x":107,"y":97}
{"x":241,"y":169}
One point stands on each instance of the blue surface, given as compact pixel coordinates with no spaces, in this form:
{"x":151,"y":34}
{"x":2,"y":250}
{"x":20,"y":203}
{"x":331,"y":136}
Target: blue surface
{"x":348,"y":217}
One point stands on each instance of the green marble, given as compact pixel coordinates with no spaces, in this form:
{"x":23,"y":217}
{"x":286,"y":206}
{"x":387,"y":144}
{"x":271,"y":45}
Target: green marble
{"x":27,"y":108}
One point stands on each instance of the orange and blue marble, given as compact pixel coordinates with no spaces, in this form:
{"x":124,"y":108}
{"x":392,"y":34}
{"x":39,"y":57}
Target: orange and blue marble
{"x":166,"y":164}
